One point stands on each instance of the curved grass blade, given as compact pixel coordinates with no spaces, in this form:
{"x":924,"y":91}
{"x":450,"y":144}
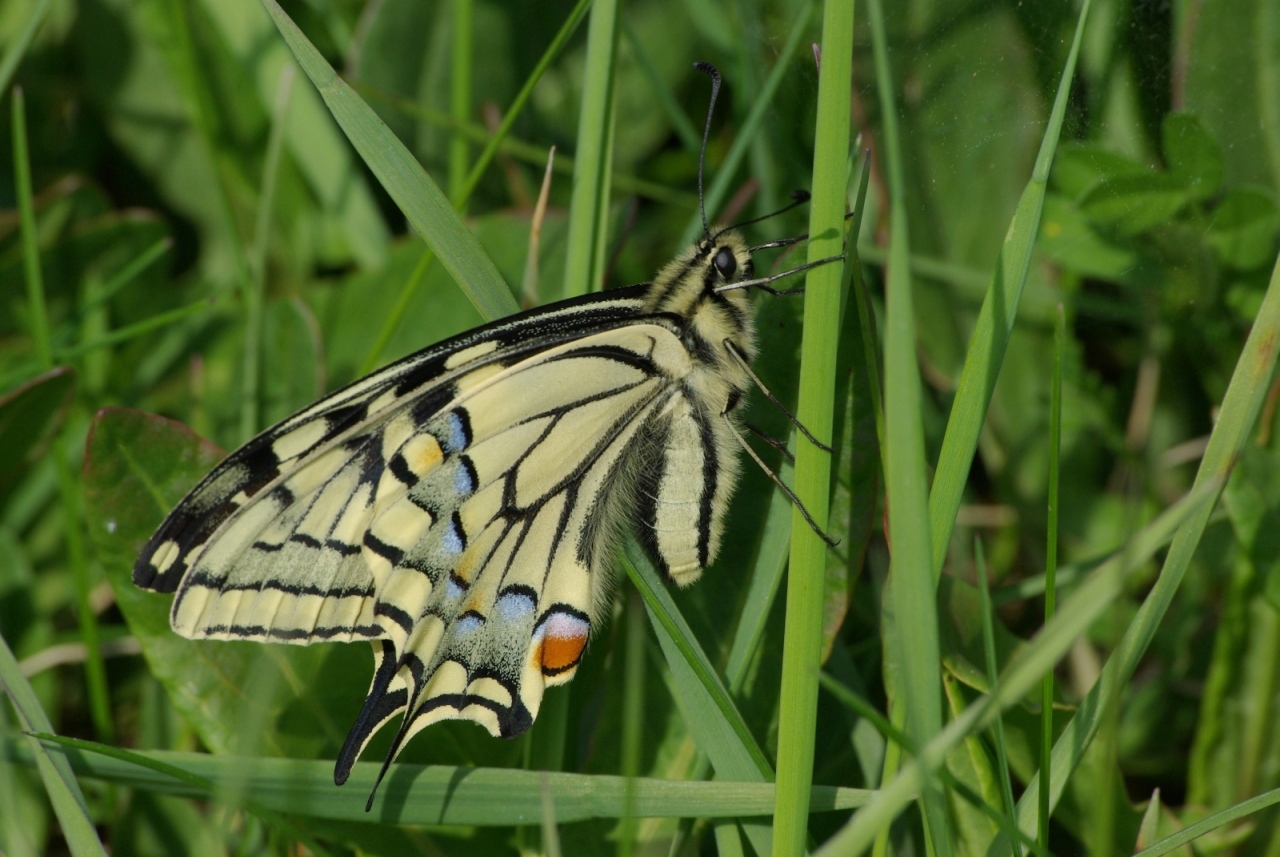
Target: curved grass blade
{"x":405,"y":180}
{"x":433,"y":794}
{"x":994,"y":326}
{"x":1240,"y":407}
{"x":1022,"y":674}
{"x":55,"y":771}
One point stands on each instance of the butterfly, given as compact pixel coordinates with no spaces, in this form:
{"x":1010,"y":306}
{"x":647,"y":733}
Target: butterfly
{"x":457,"y":508}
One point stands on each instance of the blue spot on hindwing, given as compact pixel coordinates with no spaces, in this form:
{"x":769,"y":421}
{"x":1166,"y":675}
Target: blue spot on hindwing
{"x":464,"y":478}
{"x":467,"y":623}
{"x":457,"y":430}
{"x":454,"y":589}
{"x":453,"y":541}
{"x":515,"y":604}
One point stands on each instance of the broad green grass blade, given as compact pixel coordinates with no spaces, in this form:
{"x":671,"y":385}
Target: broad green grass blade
{"x":59,"y":780}
{"x":802,"y":645}
{"x":917,"y":698}
{"x":995,"y":324}
{"x":404,"y":179}
{"x":715,"y":722}
{"x":195,"y":781}
{"x":713,"y":719}
{"x":439,"y":794}
{"x":1021,"y":676}
{"x":1240,"y":406}
{"x":589,"y":205}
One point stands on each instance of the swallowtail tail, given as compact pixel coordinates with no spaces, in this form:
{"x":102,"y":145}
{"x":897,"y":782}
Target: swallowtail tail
{"x":456,"y":508}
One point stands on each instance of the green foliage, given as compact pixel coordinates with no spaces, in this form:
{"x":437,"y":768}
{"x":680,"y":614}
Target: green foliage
{"x":170,"y":221}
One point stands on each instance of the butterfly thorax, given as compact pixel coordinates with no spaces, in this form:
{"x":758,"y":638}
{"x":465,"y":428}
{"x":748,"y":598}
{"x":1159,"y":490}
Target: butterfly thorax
{"x":714,"y":321}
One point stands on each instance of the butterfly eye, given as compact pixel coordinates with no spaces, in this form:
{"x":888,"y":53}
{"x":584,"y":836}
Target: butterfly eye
{"x":725,"y":263}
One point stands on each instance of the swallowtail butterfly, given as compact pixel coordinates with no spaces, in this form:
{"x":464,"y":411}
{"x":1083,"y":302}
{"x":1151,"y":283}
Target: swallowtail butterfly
{"x":456,"y":508}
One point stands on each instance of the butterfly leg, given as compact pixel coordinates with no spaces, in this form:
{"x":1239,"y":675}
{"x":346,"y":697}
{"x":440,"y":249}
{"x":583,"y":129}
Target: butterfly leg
{"x":746,"y":366}
{"x":785,"y":490}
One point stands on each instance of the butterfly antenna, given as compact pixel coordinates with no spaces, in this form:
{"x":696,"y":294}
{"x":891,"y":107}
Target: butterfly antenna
{"x":787,"y":242}
{"x":798,"y":197}
{"x":714,"y":73}
{"x":763,"y":282}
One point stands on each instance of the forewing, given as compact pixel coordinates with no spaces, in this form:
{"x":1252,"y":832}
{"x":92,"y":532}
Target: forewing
{"x":322,"y":441}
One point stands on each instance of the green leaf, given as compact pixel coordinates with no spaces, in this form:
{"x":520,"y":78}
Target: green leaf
{"x":1135,"y":202}
{"x":1078,"y":167}
{"x":1067,"y":236}
{"x":1243,"y":231}
{"x":237,"y":696}
{"x":1191,"y":153}
{"x":28,"y":415}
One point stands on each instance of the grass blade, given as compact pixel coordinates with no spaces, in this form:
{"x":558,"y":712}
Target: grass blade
{"x":404,"y":179}
{"x":995,"y":324}
{"x":1240,"y":406}
{"x":432,"y":794}
{"x":589,"y":205}
{"x":917,"y":699}
{"x":802,"y":645}
{"x":59,"y":780}
{"x":1021,"y":676}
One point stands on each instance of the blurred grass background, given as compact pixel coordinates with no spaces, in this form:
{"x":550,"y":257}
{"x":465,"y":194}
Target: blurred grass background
{"x":211,"y":249}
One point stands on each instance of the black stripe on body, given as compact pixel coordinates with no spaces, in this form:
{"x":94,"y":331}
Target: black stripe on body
{"x":710,"y":480}
{"x":648,"y":486}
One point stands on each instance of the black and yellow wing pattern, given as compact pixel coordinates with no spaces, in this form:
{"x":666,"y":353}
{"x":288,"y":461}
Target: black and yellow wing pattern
{"x":456,"y":508}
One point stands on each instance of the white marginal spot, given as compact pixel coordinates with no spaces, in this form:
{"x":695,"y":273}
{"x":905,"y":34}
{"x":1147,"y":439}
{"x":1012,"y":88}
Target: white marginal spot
{"x":491,"y":689}
{"x":466,"y":355}
{"x":165,"y":555}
